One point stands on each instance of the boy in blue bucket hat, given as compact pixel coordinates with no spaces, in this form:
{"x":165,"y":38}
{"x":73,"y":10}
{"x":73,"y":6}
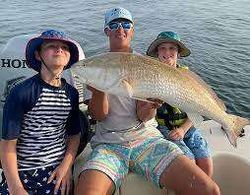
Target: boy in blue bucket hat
{"x":41,"y":122}
{"x":34,"y":46}
{"x":174,"y":124}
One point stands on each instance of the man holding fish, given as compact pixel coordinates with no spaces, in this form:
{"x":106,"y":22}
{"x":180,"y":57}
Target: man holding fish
{"x":126,"y":137}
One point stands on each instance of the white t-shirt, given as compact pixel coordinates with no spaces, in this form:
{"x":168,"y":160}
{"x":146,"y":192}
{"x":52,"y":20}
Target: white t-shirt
{"x":122,"y":124}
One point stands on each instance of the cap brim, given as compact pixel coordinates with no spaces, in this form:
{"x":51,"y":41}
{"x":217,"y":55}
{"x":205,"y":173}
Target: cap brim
{"x":152,"y":49}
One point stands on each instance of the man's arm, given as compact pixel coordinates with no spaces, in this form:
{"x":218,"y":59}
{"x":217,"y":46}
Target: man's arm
{"x":9,"y":165}
{"x":98,"y":105}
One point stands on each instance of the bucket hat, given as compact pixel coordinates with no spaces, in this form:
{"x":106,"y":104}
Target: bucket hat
{"x":36,"y":42}
{"x":166,"y":37}
{"x":117,"y":13}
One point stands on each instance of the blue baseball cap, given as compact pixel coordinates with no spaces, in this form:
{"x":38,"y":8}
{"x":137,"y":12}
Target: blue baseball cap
{"x":36,"y":42}
{"x":168,"y":37}
{"x":117,"y":13}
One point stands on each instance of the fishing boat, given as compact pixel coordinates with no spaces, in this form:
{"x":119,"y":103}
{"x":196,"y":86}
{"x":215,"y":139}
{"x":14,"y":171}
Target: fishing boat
{"x":231,"y":165}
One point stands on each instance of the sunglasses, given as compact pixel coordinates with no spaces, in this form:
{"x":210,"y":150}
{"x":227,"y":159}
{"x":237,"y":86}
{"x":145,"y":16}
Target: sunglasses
{"x":126,"y":25}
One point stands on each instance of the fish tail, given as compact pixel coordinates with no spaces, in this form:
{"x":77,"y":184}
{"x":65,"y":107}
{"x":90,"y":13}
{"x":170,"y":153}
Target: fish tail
{"x":235,"y":127}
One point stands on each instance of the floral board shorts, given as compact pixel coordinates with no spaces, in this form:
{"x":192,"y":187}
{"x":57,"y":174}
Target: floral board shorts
{"x":148,"y":158}
{"x":194,"y":145}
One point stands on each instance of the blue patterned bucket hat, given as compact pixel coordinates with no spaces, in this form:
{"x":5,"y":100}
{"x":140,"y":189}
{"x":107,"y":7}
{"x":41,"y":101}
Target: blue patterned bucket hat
{"x":36,"y":42}
{"x":117,"y":13}
{"x":166,"y":37}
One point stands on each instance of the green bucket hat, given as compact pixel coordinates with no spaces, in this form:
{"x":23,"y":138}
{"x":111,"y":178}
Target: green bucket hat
{"x":166,"y":37}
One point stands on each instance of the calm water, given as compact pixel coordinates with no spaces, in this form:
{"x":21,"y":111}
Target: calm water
{"x":217,"y":32}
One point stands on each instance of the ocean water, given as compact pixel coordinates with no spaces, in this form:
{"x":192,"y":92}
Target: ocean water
{"x":217,"y":32}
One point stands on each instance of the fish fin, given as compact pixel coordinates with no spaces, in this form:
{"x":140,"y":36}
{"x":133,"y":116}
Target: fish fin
{"x":198,"y":79}
{"x":196,"y":119}
{"x":123,"y":88}
{"x":128,"y":88}
{"x":234,"y":129}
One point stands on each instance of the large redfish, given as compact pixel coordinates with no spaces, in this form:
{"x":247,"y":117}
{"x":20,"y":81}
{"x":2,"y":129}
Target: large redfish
{"x":141,"y":77}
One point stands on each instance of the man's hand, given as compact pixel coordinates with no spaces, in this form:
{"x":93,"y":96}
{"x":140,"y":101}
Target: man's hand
{"x":156,"y":103}
{"x":147,"y":110}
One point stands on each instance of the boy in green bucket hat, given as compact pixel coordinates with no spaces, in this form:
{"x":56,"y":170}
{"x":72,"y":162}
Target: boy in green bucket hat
{"x":168,"y":37}
{"x":173,"y":123}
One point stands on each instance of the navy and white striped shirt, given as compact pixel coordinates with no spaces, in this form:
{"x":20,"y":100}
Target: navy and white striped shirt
{"x":40,"y":117}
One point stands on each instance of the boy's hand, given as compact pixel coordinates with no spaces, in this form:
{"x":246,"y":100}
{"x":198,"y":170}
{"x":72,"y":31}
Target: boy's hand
{"x":177,"y":134}
{"x":63,"y":177}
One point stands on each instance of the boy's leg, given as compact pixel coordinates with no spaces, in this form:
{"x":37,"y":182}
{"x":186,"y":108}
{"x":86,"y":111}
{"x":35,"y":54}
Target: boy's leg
{"x":4,"y":186}
{"x":36,"y":181}
{"x":94,"y":182}
{"x":199,"y":147}
{"x":185,"y":177}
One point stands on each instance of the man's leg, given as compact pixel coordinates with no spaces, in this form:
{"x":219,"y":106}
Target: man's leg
{"x":93,"y":182}
{"x":206,"y":164}
{"x":103,"y":171}
{"x":185,"y":177}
